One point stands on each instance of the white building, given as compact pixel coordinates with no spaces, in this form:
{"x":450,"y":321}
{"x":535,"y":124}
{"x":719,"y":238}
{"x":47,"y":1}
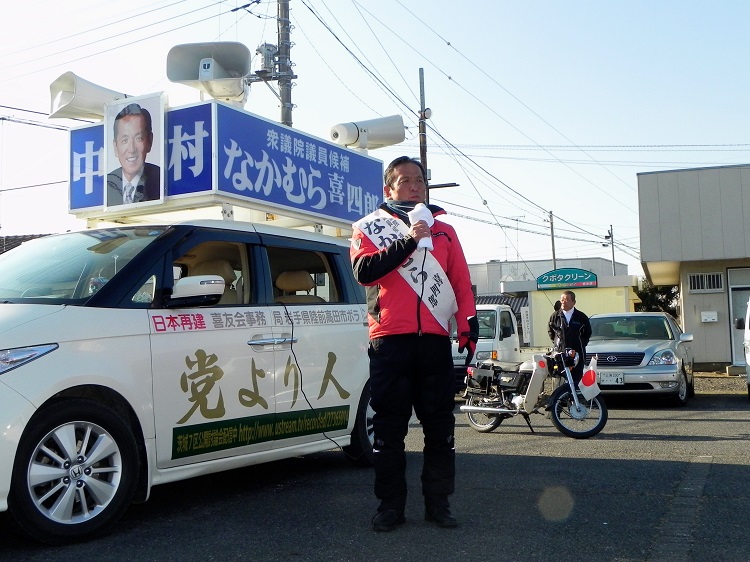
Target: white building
{"x":695,"y":233}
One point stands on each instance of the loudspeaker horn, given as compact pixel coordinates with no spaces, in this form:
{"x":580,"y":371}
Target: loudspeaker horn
{"x":217,"y":68}
{"x":73,"y":97}
{"x":373,"y":133}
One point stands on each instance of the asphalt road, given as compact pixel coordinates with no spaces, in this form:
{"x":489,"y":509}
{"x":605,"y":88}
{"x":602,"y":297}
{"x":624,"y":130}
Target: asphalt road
{"x":659,"y":483}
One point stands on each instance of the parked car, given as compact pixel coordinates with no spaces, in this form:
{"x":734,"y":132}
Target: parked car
{"x":135,"y":356}
{"x":642,"y":353}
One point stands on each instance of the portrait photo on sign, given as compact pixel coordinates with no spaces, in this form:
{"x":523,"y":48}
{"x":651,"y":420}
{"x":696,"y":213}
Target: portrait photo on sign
{"x":134,"y":151}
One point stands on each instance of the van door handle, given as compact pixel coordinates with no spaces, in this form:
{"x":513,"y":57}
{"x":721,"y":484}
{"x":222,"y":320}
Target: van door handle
{"x":274,"y":341}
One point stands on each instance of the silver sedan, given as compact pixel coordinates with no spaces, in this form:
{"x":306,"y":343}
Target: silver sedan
{"x":642,"y":353}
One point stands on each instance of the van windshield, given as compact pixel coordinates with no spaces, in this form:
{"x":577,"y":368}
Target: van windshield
{"x":69,"y":267}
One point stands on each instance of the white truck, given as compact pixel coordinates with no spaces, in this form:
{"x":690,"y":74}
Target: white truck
{"x":498,"y":340}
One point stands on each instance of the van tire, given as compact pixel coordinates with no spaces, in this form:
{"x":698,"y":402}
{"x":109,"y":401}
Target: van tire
{"x":81,"y":455}
{"x":359,"y":451}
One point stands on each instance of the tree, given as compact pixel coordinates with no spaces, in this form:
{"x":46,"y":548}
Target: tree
{"x":663,"y":298}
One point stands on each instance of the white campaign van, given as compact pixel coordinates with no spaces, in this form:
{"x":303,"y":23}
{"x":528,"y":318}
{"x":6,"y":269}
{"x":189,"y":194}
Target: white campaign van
{"x":141,"y":355}
{"x":498,"y":340}
{"x":744,"y":324}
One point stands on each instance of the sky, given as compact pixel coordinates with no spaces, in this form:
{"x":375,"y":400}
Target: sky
{"x":538,"y":107}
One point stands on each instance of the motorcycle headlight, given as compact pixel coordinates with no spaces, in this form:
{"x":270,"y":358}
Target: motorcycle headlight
{"x":663,"y":357}
{"x":12,"y":358}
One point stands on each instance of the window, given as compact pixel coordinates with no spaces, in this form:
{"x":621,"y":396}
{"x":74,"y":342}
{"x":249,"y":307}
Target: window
{"x":226,"y":259}
{"x":706,"y":282}
{"x":487,"y":322}
{"x":506,"y":324}
{"x":302,"y":276}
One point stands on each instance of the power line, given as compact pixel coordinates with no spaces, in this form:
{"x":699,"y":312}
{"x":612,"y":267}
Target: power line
{"x":19,"y":187}
{"x":116,"y":47}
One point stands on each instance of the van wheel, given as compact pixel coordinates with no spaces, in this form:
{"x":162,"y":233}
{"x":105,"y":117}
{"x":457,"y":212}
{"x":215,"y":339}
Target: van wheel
{"x":75,"y":472}
{"x":359,"y":452}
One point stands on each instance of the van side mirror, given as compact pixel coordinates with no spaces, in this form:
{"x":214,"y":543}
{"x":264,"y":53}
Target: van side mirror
{"x":196,"y":290}
{"x":739,"y":323}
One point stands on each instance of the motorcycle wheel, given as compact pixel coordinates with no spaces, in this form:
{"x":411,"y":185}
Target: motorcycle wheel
{"x":578,"y":424}
{"x":483,"y":423}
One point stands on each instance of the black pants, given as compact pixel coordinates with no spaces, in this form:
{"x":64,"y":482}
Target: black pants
{"x":413,"y":371}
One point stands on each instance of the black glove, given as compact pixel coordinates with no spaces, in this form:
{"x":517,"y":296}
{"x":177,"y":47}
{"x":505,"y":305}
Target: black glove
{"x":468,"y":340}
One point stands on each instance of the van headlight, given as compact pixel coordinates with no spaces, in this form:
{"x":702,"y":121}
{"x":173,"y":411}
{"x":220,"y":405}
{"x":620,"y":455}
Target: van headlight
{"x":12,"y":358}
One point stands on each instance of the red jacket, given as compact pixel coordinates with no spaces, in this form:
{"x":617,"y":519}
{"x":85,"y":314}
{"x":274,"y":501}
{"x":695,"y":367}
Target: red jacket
{"x":393,"y":306}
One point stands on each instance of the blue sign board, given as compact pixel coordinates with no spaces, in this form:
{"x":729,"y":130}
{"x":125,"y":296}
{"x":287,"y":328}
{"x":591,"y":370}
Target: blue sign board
{"x":262,"y":160}
{"x":566,"y":278}
{"x":87,"y":167}
{"x":190,"y":167}
{"x":213,"y":148}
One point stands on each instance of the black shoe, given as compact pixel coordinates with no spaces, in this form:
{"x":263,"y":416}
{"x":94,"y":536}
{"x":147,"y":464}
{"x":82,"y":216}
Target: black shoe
{"x":387,"y":520}
{"x":441,"y":516}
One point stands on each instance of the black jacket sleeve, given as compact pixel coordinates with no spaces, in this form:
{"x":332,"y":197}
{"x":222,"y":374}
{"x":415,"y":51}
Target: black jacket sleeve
{"x":369,"y":268}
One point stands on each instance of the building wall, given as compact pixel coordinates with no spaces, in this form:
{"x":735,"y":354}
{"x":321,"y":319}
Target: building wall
{"x":712,"y":341}
{"x":695,"y":215}
{"x":699,"y":220}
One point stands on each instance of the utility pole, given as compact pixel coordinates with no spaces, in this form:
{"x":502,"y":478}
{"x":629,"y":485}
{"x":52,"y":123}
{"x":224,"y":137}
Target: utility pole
{"x":285,"y":63}
{"x":552,"y":234}
{"x":424,"y":114}
{"x":611,"y":237}
{"x":277,"y":63}
{"x":423,"y":132}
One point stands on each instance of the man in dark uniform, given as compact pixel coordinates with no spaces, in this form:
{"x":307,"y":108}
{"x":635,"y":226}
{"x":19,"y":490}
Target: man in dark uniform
{"x":569,"y":328}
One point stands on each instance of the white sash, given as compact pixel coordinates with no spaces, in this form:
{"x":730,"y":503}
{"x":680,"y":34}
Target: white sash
{"x":428,"y":281}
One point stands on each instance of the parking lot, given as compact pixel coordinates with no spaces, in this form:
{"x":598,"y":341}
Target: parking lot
{"x":659,"y":483}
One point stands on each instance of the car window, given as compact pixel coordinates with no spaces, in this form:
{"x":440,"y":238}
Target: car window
{"x":630,"y":327}
{"x":506,"y":323}
{"x":302,"y":276}
{"x":147,"y":291}
{"x":656,"y":329}
{"x":228,"y":260}
{"x":487,"y":323}
{"x":70,"y":267}
{"x":602,"y":328}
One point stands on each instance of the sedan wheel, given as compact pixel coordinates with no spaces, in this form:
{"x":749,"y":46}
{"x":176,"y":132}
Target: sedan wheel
{"x":75,"y":472}
{"x":683,"y":391}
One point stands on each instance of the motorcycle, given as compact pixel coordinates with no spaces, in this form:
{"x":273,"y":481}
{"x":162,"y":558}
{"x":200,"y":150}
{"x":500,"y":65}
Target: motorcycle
{"x":493,"y":395}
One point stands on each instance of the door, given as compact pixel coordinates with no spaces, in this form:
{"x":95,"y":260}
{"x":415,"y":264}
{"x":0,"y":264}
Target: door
{"x":213,"y":366}
{"x":738,"y":304}
{"x":322,"y":363}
